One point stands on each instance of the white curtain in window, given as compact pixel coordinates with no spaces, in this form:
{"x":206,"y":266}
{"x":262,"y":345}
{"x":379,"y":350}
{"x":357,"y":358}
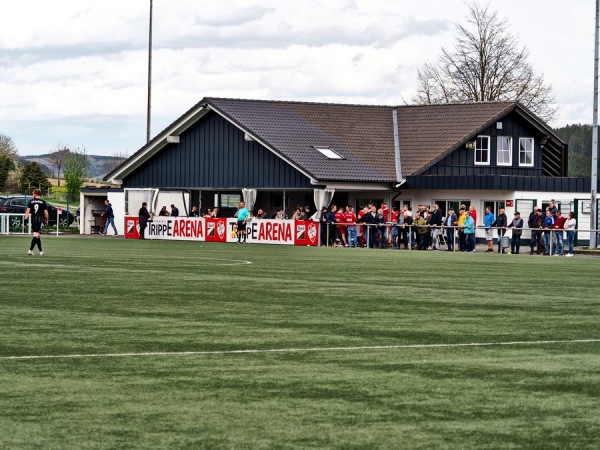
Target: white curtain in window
{"x":249,"y":198}
{"x":323,"y":198}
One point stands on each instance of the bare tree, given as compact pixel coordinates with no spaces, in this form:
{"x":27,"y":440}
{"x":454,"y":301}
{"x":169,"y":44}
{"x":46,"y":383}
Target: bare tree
{"x":57,"y":158}
{"x":7,"y":147}
{"x":486,"y":64}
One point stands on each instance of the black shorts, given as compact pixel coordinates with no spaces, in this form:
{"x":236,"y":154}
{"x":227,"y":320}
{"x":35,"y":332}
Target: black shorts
{"x":241,"y":226}
{"x":36,"y":227}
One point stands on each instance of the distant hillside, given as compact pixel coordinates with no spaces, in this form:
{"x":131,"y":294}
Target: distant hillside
{"x":99,"y":165}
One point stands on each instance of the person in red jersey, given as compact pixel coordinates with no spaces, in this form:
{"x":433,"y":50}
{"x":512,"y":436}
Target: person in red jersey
{"x":350,"y":220}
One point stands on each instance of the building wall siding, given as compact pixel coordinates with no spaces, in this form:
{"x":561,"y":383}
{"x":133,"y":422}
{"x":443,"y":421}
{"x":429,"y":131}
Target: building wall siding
{"x":500,"y":183}
{"x":213,"y":154}
{"x":461,"y":162}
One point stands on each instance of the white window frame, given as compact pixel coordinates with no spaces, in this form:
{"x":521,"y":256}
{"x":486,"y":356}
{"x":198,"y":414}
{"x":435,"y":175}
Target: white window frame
{"x":503,"y":151}
{"x":478,"y":149}
{"x":521,"y":152}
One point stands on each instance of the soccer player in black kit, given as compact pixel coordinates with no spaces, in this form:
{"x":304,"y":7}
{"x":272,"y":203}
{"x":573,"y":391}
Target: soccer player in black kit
{"x":38,"y":210}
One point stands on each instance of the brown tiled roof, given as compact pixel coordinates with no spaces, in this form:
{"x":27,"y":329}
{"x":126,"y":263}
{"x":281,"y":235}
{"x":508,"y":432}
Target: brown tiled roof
{"x":364,"y":135}
{"x":430,"y":132}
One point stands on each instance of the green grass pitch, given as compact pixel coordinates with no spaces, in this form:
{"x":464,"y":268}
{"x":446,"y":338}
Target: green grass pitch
{"x":134,"y":299}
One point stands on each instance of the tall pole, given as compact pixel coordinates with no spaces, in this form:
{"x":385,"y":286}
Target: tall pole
{"x":149,"y":76}
{"x":594,"y":215}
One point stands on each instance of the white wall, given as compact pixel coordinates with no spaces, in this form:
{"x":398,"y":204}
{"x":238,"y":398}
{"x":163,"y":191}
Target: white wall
{"x":477,"y":199}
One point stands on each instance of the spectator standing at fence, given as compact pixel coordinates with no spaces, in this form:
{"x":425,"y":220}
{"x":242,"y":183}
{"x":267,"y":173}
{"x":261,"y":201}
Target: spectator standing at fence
{"x":371,"y":222}
{"x":449,"y":223}
{"x":340,"y":221}
{"x":163,"y":212}
{"x":501,"y":223}
{"x":488,"y":220}
{"x":109,"y":215}
{"x":517,"y":229}
{"x":436,"y":226}
{"x":473,"y":213}
{"x":174,"y":211}
{"x":360,"y":230}
{"x":330,"y":223}
{"x":143,"y":217}
{"x":421,"y":226}
{"x":350,"y":219}
{"x":261,"y":214}
{"x":535,"y":224}
{"x":397,"y":221}
{"x":381,"y":229}
{"x":548,"y":226}
{"x":462,"y":215}
{"x":469,"y":228}
{"x":570,"y":224}
{"x":559,"y":226}
{"x":552,"y":208}
{"x":407,"y":229}
{"x":194,"y":212}
{"x":38,"y":210}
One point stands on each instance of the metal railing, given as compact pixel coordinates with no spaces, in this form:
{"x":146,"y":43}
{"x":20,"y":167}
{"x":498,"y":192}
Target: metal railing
{"x":14,"y":223}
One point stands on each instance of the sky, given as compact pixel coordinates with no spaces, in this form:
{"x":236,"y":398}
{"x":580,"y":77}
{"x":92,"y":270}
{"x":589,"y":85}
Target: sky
{"x":75,"y":72}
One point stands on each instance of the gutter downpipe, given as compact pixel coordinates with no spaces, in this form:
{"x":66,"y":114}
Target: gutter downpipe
{"x":399,"y":180}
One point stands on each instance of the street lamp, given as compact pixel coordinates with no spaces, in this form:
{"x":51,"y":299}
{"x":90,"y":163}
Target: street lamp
{"x":149,"y":75}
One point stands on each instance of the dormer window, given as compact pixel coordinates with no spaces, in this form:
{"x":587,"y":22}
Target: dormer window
{"x":329,"y":152}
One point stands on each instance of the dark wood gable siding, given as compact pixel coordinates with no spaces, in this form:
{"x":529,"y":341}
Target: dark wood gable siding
{"x":547,"y":162}
{"x":213,"y":154}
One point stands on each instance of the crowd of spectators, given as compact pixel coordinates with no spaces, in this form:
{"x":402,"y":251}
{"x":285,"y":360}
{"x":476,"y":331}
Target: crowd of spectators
{"x":427,"y":228}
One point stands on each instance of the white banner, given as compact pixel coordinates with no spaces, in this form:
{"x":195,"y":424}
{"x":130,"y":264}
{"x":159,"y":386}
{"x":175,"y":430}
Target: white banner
{"x":259,"y":231}
{"x":177,"y":228}
{"x":265,"y":231}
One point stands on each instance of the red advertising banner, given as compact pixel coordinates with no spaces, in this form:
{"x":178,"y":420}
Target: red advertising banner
{"x":216,"y":230}
{"x":132,"y":228}
{"x":259,"y":231}
{"x":306,"y":233}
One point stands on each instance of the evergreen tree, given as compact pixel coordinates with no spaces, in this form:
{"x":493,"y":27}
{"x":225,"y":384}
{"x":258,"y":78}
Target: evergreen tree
{"x":579,"y":139}
{"x":7,"y":164}
{"x":33,"y":177}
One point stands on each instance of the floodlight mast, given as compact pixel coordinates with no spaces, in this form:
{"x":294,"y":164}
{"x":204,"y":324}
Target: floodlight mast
{"x":594,"y":180}
{"x":149,"y":76}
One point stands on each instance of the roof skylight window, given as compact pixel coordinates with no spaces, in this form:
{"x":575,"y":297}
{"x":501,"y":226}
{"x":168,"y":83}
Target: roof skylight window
{"x":329,"y":153}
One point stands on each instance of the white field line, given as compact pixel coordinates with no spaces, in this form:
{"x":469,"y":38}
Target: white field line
{"x":300,"y":350}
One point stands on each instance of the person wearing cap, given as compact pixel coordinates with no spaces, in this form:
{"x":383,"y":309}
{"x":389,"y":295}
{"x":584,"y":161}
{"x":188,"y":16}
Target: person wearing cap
{"x":517,"y":229}
{"x":548,"y":226}
{"x":535,"y":224}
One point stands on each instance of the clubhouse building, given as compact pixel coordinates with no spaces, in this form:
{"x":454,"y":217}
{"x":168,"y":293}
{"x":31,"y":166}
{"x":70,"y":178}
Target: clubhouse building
{"x":275,"y":154}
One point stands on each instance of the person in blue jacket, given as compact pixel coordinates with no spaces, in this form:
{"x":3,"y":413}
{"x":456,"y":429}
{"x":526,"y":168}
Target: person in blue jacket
{"x":469,"y":230}
{"x":109,"y":215}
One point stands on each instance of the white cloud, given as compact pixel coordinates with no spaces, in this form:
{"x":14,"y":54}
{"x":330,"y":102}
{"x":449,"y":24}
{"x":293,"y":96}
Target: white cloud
{"x":79,"y":68}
